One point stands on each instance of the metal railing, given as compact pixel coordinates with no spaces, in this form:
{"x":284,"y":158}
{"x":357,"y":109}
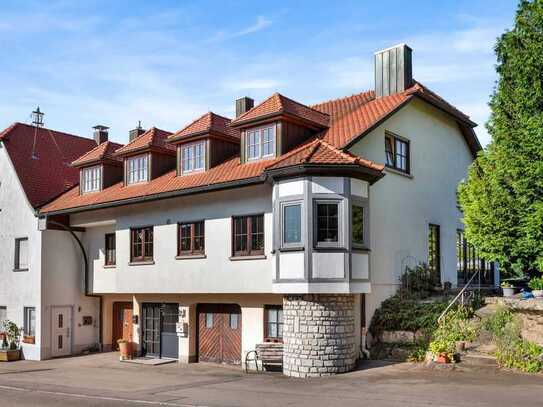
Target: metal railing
{"x":461,"y":295}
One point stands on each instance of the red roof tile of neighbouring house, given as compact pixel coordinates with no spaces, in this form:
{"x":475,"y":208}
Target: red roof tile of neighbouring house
{"x":206,"y":124}
{"x":102,"y":152}
{"x":42,"y":157}
{"x":153,"y":139}
{"x":278,"y":104}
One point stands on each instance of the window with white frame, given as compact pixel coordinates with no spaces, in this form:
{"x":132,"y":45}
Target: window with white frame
{"x":137,"y":169}
{"x":260,"y":143}
{"x":193,"y":157}
{"x":91,"y":179}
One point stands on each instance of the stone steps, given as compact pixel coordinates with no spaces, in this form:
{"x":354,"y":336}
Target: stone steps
{"x":476,"y":359}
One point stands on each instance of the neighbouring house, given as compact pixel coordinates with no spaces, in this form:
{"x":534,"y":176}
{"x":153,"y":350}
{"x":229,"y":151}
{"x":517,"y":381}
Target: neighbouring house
{"x":289,"y":223}
{"x":41,"y":282}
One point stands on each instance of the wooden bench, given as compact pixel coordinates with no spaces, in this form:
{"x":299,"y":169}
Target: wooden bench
{"x":268,"y":354}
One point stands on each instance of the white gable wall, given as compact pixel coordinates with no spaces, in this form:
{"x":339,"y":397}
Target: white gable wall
{"x":402,"y":207}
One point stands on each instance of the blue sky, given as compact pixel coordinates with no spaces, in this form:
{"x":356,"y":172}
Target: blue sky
{"x":167,"y":62}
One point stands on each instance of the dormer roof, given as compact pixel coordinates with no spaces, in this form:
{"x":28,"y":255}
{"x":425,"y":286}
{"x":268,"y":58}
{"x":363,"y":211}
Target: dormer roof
{"x":277,"y":105}
{"x":153,"y":139}
{"x":102,"y":153}
{"x":209,"y":123}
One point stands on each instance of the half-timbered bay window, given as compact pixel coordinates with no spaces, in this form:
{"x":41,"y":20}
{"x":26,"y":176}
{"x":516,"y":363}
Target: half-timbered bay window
{"x":397,"y":153}
{"x":273,"y":323}
{"x":248,"y":235}
{"x":137,"y":169}
{"x":327,"y":224}
{"x":193,"y":157}
{"x":91,"y":179}
{"x":191,"y":239}
{"x":260,"y":143}
{"x":434,"y":252}
{"x":141,"y":244}
{"x":111,"y":253}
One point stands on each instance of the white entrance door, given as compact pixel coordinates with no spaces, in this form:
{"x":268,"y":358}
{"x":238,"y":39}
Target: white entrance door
{"x":61,"y":341}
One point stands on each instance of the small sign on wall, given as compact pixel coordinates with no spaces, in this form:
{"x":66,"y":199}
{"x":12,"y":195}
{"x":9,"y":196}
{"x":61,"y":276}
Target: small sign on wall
{"x":182,"y":329}
{"x":87,"y":320}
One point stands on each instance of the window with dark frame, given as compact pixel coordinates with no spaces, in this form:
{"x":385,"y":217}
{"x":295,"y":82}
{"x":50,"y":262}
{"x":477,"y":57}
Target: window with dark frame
{"x":260,"y":143}
{"x":292,"y":224}
{"x":327,"y":222}
{"x":111,"y":255}
{"x":273,"y":323}
{"x":468,"y":262}
{"x":397,"y":153}
{"x":21,"y":254}
{"x":29,"y":321}
{"x":357,"y":225}
{"x":141,"y":243}
{"x":191,"y":238}
{"x":434,"y":252}
{"x":248,"y":235}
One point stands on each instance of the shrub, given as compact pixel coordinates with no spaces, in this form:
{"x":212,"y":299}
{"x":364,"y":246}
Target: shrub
{"x":417,"y":282}
{"x":457,"y":326}
{"x":536,"y":283}
{"x":418,"y":353}
{"x":440,"y":346}
{"x":495,"y":324}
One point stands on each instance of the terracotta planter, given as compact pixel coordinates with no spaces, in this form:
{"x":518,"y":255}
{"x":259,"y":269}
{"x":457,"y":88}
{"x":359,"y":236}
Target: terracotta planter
{"x":9,"y":355}
{"x":29,"y":339}
{"x":125,"y":349}
{"x":442,"y":358}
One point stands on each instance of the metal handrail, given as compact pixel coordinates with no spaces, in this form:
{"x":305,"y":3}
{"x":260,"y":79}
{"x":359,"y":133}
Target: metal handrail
{"x":459,"y":295}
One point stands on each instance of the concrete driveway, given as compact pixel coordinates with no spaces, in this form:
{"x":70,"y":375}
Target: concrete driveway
{"x":101,"y":380}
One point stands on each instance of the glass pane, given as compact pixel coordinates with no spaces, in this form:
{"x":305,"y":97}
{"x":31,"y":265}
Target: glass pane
{"x":257,"y":238}
{"x":60,"y":320}
{"x":389,"y":152}
{"x":240,"y":234}
{"x":60,"y":344}
{"x":280,"y":330}
{"x":358,"y":224}
{"x":272,"y":330}
{"x":292,"y":224}
{"x":327,"y":222}
{"x":23,"y":254}
{"x":209,"y":320}
{"x":234,"y":321}
{"x":272,"y":315}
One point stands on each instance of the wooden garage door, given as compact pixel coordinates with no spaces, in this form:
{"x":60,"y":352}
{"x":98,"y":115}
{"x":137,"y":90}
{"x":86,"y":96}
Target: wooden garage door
{"x":219,"y":333}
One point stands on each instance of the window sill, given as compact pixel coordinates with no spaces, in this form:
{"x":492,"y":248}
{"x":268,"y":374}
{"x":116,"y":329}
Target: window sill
{"x":398,"y":172}
{"x":190,"y":256}
{"x":292,"y":249}
{"x":330,"y":249}
{"x":141,"y":263}
{"x":240,"y":258}
{"x":19,"y":270}
{"x":109,"y":266}
{"x":360,"y":250}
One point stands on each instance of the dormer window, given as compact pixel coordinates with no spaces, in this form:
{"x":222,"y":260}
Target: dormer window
{"x":91,"y":179}
{"x":193,"y":157}
{"x":260,"y":142}
{"x":137,"y":169}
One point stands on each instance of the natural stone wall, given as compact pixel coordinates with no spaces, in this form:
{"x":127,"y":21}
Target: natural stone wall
{"x":530,"y":313}
{"x":318,"y":335}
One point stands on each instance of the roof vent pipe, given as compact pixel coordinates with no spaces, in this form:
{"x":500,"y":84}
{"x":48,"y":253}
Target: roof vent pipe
{"x":393,"y":70}
{"x":100,"y":134}
{"x":243,"y":105}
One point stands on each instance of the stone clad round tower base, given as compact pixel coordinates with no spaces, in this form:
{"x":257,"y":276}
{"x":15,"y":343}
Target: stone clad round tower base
{"x":318,"y":334}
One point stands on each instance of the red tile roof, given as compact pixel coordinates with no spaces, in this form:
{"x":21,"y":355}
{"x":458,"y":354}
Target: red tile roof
{"x":348,"y":119}
{"x":153,"y":138}
{"x":208,"y":123}
{"x":278,"y":104}
{"x":318,"y":151}
{"x":102,"y":152}
{"x":47,"y":172}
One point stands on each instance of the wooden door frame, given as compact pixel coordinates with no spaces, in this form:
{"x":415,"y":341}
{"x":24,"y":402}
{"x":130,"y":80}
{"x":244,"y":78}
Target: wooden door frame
{"x":113,"y":320}
{"x":71,"y":326}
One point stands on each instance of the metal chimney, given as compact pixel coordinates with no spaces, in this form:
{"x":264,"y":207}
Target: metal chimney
{"x":243,"y":105}
{"x":138,"y":131}
{"x":100,"y":133}
{"x":393,"y":70}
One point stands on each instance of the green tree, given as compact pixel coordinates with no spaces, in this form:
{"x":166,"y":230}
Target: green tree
{"x":502,"y":196}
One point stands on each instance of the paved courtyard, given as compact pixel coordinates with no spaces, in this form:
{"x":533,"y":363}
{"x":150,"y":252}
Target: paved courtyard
{"x":101,"y":380}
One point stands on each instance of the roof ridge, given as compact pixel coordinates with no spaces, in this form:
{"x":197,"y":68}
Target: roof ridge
{"x":275,"y":94}
{"x":15,"y":124}
{"x":301,"y":104}
{"x":312,"y":149}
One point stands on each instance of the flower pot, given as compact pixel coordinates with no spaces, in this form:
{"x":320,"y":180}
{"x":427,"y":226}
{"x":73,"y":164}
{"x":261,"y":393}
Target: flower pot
{"x":29,"y":339}
{"x":442,"y":358}
{"x":508,"y":291}
{"x":537,"y":293}
{"x":9,"y":355}
{"x":460,"y":346}
{"x":125,"y":349}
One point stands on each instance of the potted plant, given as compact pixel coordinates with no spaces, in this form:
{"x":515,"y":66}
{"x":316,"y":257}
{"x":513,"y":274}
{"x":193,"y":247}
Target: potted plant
{"x":507,"y":288}
{"x":536,"y":284}
{"x":10,"y":348}
{"x":443,"y":351}
{"x":125,"y":349}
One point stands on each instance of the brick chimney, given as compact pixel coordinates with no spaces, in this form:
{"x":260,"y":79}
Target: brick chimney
{"x":100,"y":134}
{"x":393,"y":70}
{"x":138,"y":131}
{"x":243,"y":105}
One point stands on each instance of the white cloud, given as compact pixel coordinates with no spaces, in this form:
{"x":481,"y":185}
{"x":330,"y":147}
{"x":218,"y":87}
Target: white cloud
{"x":260,"y":24}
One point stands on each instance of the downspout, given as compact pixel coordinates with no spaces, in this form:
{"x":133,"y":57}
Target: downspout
{"x":87,"y":291}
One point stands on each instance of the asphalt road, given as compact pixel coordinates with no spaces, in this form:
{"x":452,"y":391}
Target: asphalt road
{"x":100,"y":380}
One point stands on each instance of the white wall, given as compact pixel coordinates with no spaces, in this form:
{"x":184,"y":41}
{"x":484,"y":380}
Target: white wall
{"x":214,"y":274}
{"x":18,"y":289}
{"x":402,"y":207}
